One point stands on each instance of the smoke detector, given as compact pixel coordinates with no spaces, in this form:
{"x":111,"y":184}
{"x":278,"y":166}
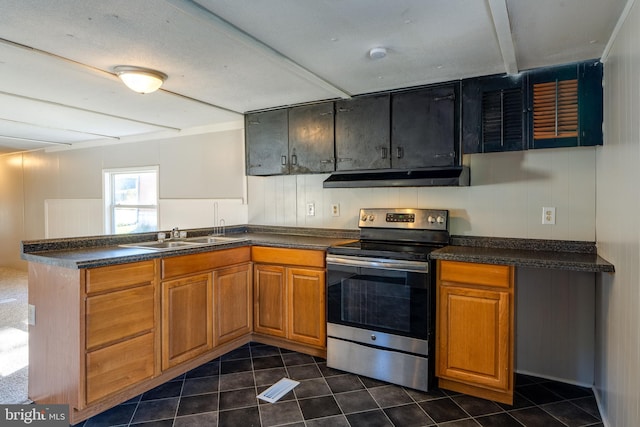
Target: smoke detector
{"x":377,"y":53}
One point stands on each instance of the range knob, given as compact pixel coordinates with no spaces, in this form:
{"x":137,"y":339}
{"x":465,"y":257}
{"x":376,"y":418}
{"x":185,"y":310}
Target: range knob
{"x":364,"y":218}
{"x":431,"y":219}
{"x":440,"y":220}
{"x":371,"y":217}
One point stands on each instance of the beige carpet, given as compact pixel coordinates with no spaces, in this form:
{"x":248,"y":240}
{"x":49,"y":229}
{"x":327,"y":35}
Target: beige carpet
{"x":14,"y":336}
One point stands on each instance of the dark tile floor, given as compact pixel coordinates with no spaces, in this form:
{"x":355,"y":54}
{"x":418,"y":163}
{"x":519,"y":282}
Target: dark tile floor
{"x":223,"y":393}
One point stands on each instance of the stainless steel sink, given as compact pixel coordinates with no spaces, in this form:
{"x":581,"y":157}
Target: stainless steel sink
{"x":211,"y":240}
{"x":162,"y":246}
{"x":183,"y":244}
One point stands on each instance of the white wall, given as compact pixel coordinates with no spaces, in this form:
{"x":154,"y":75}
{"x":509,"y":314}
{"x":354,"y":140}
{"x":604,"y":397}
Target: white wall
{"x":11,"y":210}
{"x":505,"y":199}
{"x":198,"y":169}
{"x":618,"y":230}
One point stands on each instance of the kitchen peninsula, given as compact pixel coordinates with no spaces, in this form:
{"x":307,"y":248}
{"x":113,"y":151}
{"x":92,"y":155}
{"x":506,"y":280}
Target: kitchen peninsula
{"x":104,"y":313}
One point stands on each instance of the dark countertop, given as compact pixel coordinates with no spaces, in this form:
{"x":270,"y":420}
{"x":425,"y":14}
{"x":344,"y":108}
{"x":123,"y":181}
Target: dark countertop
{"x":555,"y":254}
{"x":99,"y":251}
{"x":94,"y":252}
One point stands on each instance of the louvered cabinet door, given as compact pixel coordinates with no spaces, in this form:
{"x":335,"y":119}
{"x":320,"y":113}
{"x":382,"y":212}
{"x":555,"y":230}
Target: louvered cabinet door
{"x":493,"y":114}
{"x":566,"y":105}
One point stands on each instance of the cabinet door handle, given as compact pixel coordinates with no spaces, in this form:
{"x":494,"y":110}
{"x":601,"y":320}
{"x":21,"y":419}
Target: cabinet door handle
{"x":451,"y":97}
{"x":326,"y":161}
{"x":399,"y":152}
{"x":283,"y":160}
{"x":345,"y":159}
{"x":383,"y":153}
{"x":294,"y":159}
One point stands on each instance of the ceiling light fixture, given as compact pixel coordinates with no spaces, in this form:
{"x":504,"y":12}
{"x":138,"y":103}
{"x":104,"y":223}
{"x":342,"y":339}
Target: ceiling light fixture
{"x":377,"y":53}
{"x":138,"y":79}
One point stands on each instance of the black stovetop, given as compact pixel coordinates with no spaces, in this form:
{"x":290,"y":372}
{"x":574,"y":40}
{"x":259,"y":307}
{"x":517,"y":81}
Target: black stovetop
{"x":385,"y":249}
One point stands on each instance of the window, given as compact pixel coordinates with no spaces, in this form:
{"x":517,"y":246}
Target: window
{"x":131,"y":200}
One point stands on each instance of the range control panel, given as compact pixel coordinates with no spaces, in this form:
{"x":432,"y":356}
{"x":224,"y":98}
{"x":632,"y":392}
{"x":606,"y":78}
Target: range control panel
{"x":420,"y":219}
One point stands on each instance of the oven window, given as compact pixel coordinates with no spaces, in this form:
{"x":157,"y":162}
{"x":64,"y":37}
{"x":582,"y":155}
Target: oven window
{"x":377,"y":302}
{"x":392,"y":301}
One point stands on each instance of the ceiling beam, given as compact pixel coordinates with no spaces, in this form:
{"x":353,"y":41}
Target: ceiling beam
{"x":196,"y":10}
{"x":39,"y":141}
{"x":502,"y":26}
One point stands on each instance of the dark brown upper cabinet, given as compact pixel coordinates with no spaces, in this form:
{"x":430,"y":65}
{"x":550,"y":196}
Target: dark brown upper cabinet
{"x":293,"y":140}
{"x":494,"y":114}
{"x":311,"y":148}
{"x":424,"y":127}
{"x":267,"y":142}
{"x":362,"y":133}
{"x":565,"y":105}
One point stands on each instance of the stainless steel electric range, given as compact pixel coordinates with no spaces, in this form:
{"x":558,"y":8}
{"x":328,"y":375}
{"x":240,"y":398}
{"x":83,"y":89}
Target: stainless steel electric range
{"x":381,"y":297}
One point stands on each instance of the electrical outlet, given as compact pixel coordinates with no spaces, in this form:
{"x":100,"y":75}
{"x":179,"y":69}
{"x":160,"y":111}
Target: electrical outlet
{"x":335,"y":209}
{"x":311,"y":209}
{"x":548,"y":215}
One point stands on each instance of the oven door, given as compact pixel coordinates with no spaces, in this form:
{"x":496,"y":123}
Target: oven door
{"x":388,"y":296}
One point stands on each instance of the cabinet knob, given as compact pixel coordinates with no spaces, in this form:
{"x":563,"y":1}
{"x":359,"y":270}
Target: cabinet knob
{"x":373,"y":337}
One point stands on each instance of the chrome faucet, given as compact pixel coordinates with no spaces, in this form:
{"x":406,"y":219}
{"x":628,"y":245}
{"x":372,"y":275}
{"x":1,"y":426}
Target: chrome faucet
{"x":175,"y":233}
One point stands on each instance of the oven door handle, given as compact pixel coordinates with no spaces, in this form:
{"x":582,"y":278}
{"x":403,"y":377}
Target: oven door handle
{"x":379,"y":263}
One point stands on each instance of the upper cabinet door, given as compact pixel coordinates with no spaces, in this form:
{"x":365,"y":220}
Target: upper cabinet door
{"x":493,"y":114}
{"x":362,"y":133}
{"x":267,"y":143}
{"x":424,"y":128}
{"x":311,"y":138}
{"x":566,"y":105}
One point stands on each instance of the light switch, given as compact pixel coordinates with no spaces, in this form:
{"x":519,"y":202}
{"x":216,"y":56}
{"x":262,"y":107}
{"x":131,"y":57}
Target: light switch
{"x":311,"y":209}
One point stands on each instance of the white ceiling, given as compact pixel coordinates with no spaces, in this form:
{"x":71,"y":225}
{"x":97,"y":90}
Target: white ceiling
{"x":227,"y":57}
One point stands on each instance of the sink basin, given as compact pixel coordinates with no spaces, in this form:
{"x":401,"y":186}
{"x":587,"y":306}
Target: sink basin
{"x":211,"y":240}
{"x":161,"y":246}
{"x":183,"y":244}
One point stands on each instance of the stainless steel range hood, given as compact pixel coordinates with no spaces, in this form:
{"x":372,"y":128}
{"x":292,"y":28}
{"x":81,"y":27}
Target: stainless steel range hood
{"x":450,"y":176}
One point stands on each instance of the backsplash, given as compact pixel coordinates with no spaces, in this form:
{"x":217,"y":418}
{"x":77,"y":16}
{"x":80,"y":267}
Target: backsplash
{"x":505,"y":199}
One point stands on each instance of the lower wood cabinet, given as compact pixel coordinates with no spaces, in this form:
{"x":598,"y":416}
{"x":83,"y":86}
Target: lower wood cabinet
{"x":121,"y":328}
{"x":289,"y":299}
{"x":270,"y":296}
{"x":232,"y":302}
{"x":187,"y":318}
{"x":306,"y":306}
{"x":475,"y":328}
{"x":103,"y":335}
{"x":112,"y":368}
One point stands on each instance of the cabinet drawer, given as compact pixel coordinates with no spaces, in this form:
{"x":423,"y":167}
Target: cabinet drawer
{"x":119,"y":276}
{"x":302,"y":257}
{"x":475,"y":274}
{"x":189,"y":264}
{"x":116,"y":367}
{"x":118,"y":315}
